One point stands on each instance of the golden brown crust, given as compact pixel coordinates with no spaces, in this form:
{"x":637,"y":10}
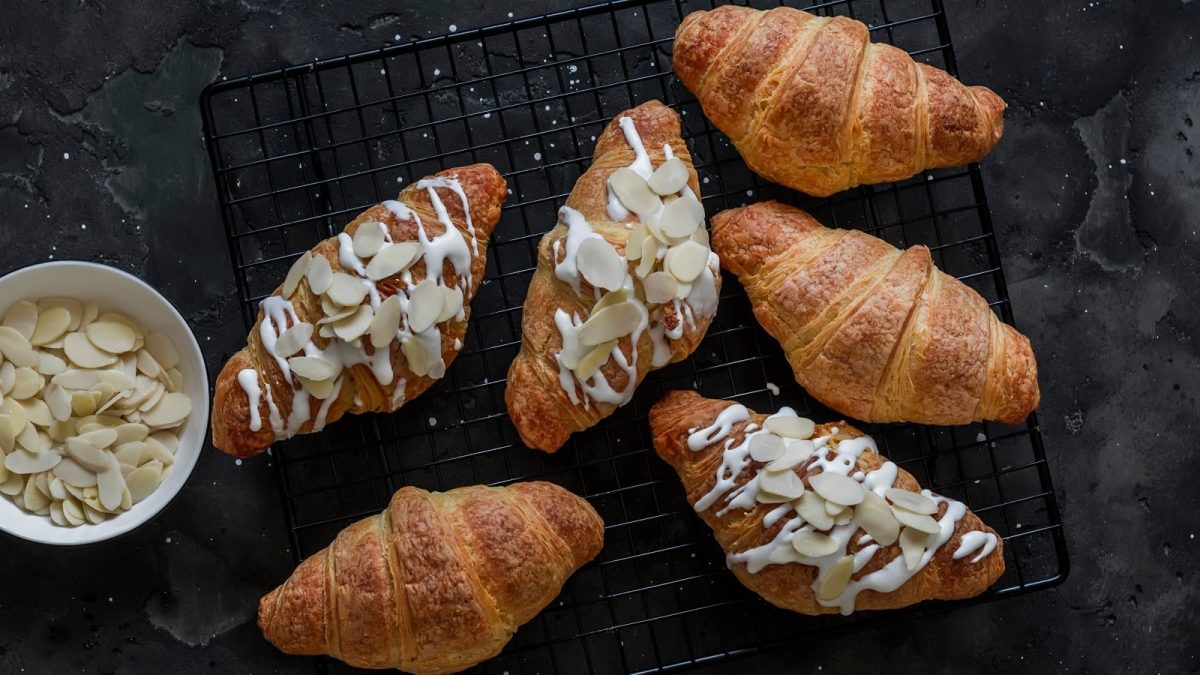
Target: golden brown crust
{"x":436,"y":583}
{"x":877,"y":334}
{"x":812,"y":104}
{"x":790,"y":585}
{"x":486,"y":191}
{"x":540,"y":409}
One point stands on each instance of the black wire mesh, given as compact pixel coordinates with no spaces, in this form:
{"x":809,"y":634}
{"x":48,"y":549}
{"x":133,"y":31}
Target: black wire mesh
{"x":298,"y":152}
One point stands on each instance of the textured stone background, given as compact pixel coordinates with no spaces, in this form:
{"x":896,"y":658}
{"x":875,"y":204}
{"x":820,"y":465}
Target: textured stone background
{"x":1095,"y":194}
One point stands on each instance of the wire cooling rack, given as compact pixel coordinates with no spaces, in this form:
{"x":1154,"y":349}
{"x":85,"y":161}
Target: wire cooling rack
{"x":298,"y":152}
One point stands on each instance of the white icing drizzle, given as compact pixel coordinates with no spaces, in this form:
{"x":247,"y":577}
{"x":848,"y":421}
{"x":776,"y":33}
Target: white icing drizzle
{"x":974,"y":541}
{"x":837,"y":457}
{"x":248,"y":379}
{"x":595,"y":388}
{"x":279,"y":314}
{"x":578,"y":231}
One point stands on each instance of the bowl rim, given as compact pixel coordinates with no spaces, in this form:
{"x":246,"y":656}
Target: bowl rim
{"x":119,"y":528}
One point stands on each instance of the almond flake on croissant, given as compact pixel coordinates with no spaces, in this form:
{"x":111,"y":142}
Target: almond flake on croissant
{"x":813,"y":104}
{"x":368,"y":319}
{"x":813,"y":518}
{"x":876,"y":333}
{"x":437,"y":582}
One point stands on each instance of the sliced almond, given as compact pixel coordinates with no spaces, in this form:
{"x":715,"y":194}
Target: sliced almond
{"x":8,"y":433}
{"x":176,"y":379}
{"x":170,"y":411}
{"x":392,"y":259}
{"x":142,"y":481}
{"x":784,"y":484}
{"x":58,"y":402}
{"x":660,"y":287}
{"x":24,"y":462}
{"x":649,"y":257}
{"x":633,"y":245}
{"x":836,"y":579}
{"x":419,"y":360}
{"x":22,"y":317}
{"x":38,"y":412}
{"x":917,"y":521}
{"x":834,"y":509}
{"x":73,"y":512}
{"x":611,"y":298}
{"x":295,"y":274}
{"x":75,"y":378}
{"x":593,"y":360}
{"x":633,"y":191}
{"x":101,"y":438}
{"x":766,"y":448}
{"x":837,"y":488}
{"x":167,"y":439}
{"x":51,"y":325}
{"x":293,"y":339}
{"x":334,"y":312}
{"x":386,"y":323}
{"x":153,"y":449}
{"x":356,"y":325}
{"x":599,"y":263}
{"x":654,"y":228}
{"x":320,"y":274}
{"x":700,"y":236}
{"x":874,"y":516}
{"x":346,"y":290}
{"x":452,"y":302}
{"x":35,"y":499}
{"x":110,"y":336}
{"x":73,"y":307}
{"x":93,"y":516}
{"x":669,"y":177}
{"x":610,"y":323}
{"x":794,"y":454}
{"x":111,"y":485}
{"x":682,"y":217}
{"x":686,"y":261}
{"x":911,"y":501}
{"x":424,"y":305}
{"x":49,"y":364}
{"x":84,"y":353}
{"x":128,"y":432}
{"x":8,"y":376}
{"x":912,"y":547}
{"x":790,"y":427}
{"x":56,"y":514}
{"x":162,"y":349}
{"x":82,"y":403}
{"x":368,"y":239}
{"x":16,"y":348}
{"x":764,"y":497}
{"x":320,"y":389}
{"x":26,"y":383}
{"x":811,"y":544}
{"x":312,"y":367}
{"x":129,"y":454}
{"x":90,"y":311}
{"x":811,"y":508}
{"x":682,"y":290}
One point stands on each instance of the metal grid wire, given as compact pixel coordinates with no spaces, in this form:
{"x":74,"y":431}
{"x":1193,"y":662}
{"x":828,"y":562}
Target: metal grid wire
{"x":298,"y":152}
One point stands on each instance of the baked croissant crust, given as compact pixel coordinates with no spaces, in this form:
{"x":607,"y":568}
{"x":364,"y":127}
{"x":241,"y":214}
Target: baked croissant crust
{"x":863,"y":537}
{"x":811,"y":103}
{"x":609,"y":261}
{"x":876,"y":333}
{"x":437,"y":582}
{"x":391,"y":313}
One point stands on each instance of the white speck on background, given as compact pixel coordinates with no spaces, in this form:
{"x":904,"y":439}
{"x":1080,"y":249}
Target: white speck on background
{"x":396,"y":37}
{"x":453,"y":28}
{"x":437,"y":71}
{"x":537,"y":156}
{"x":66,"y":155}
{"x":980,"y":437}
{"x":773,"y":388}
{"x":168,"y":540}
{"x":487,"y":115}
{"x":238,"y":462}
{"x":433,"y":421}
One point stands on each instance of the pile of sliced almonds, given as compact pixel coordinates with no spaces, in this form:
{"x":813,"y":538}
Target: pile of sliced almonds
{"x":89,"y":407}
{"x":830,"y":499}
{"x":346,"y":317}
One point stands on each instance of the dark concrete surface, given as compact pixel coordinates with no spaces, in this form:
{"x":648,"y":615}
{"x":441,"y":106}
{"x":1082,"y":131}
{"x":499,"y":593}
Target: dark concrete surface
{"x":1095,"y":191}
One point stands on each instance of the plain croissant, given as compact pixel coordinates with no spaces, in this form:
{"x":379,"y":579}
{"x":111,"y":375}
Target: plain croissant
{"x":812,"y":104}
{"x":397,"y":348}
{"x":863,"y":537}
{"x":875,"y":333}
{"x":436,"y":583}
{"x":551,"y":391}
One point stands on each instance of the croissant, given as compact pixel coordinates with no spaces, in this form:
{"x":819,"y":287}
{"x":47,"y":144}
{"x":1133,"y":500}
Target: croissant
{"x":875,"y":333}
{"x":812,"y":104}
{"x":812,"y":518}
{"x":625,"y":282}
{"x":368,"y":319}
{"x":436,"y":583}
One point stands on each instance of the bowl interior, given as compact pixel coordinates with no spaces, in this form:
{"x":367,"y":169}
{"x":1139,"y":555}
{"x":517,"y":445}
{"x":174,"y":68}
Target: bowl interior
{"x":117,"y":291}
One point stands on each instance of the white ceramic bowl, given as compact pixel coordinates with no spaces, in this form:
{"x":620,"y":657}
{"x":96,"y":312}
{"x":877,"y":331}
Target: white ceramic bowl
{"x":118,"y":291}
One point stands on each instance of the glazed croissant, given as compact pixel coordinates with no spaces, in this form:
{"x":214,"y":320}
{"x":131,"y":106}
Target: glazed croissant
{"x":368,"y":319}
{"x":436,"y":583}
{"x":812,"y":104}
{"x":625,"y":282}
{"x":875,"y":333}
{"x":812,"y":518}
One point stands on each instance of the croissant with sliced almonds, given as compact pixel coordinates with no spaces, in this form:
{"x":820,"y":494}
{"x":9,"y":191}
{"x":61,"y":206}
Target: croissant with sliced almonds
{"x":368,"y":319}
{"x":625,"y":282}
{"x":813,"y":518}
{"x":876,"y":333}
{"x":811,"y":103}
{"x":438,"y":582}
